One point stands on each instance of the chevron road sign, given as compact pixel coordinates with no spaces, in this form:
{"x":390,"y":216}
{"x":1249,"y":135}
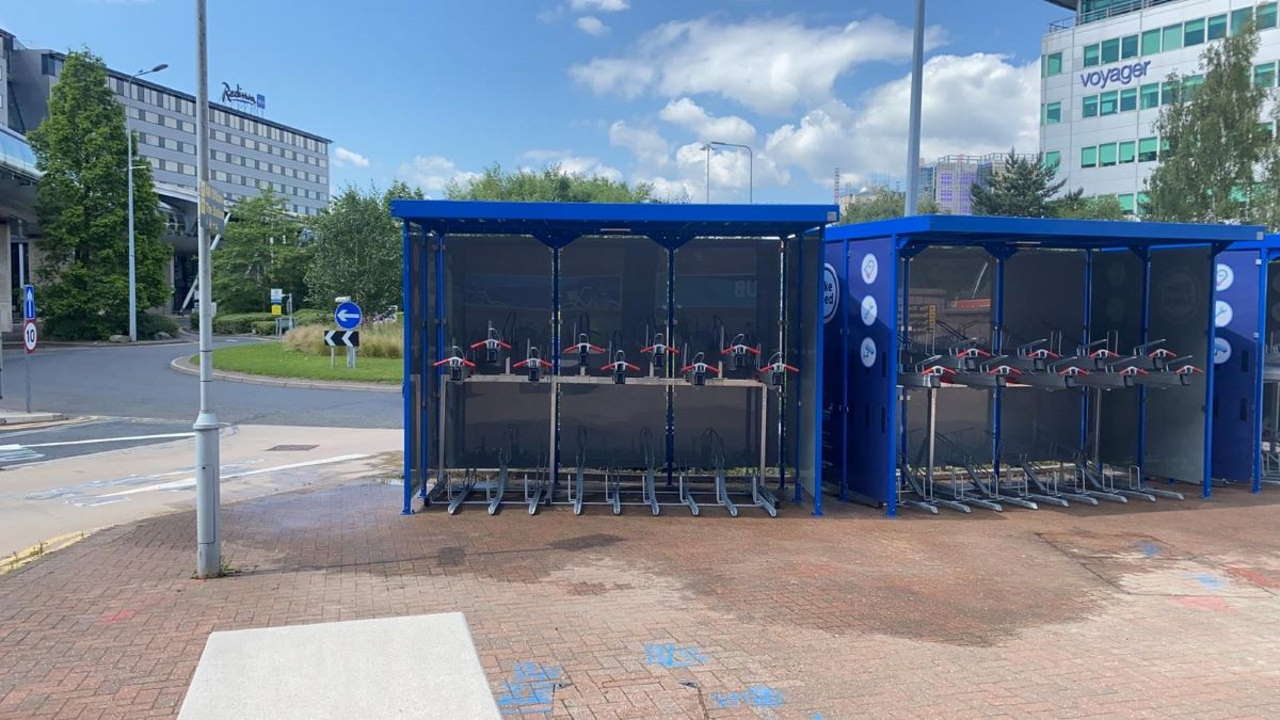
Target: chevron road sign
{"x":342,"y":338}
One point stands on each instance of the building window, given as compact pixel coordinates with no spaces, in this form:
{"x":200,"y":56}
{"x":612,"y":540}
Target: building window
{"x":1266,"y":18}
{"x":1151,"y":42}
{"x":1107,"y":103}
{"x":1089,"y":157}
{"x":1150,"y":96}
{"x":1169,"y":92}
{"x":1172,"y":37}
{"x":1052,"y":159}
{"x":1240,"y":19}
{"x":1128,"y":47}
{"x":1107,"y":155}
{"x":1190,"y":85}
{"x":1053,"y":113}
{"x":1143,"y":201}
{"x":1217,"y":27}
{"x":1264,"y":76}
{"x":1192,"y":32}
{"x":1128,"y":151}
{"x":1148,"y":150}
{"x":1128,"y":99}
{"x":1126,"y":202}
{"x":1053,"y":64}
{"x":1110,"y":51}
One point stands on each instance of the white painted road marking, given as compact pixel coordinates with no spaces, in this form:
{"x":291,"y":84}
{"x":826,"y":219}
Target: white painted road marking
{"x":127,"y":438}
{"x":191,"y":481}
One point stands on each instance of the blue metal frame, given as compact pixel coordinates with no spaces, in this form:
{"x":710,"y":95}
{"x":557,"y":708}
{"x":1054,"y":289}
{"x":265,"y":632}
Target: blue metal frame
{"x":407,"y":284}
{"x":1264,"y":262}
{"x":1207,"y":479}
{"x":556,"y":225}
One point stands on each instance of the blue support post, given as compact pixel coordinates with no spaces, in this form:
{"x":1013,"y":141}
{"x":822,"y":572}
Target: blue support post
{"x":1144,"y":337}
{"x":441,"y":350}
{"x":816,"y":405}
{"x":997,"y":347}
{"x":671,"y":365}
{"x":782,"y":332}
{"x":1207,"y":479}
{"x":554,"y":451}
{"x":904,"y":333}
{"x":844,"y":379}
{"x":1264,"y":261}
{"x":406,"y":385}
{"x":420,"y":351}
{"x":891,"y":365}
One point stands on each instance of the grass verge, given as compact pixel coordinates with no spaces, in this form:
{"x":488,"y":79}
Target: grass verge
{"x":275,"y":360}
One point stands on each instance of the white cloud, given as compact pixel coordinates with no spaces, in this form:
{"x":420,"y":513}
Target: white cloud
{"x":973,"y":105}
{"x":767,"y":64}
{"x":574,"y":164}
{"x":343,"y":157}
{"x":599,"y":5}
{"x":591,"y":25}
{"x":688,"y":114}
{"x":433,"y":173}
{"x":646,"y":144}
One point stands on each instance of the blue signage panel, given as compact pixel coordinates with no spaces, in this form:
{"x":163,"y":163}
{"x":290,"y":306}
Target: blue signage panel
{"x":28,"y":302}
{"x":1236,"y":362}
{"x":348,"y":315}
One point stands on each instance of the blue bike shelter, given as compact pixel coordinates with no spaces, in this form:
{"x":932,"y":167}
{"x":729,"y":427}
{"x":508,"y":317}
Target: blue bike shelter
{"x":988,"y":362}
{"x":611,"y":354}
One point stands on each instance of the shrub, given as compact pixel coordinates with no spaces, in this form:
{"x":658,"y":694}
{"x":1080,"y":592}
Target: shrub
{"x":151,"y":323}
{"x":311,"y":316}
{"x":236,"y":323}
{"x":379,"y":341}
{"x":263,"y":327}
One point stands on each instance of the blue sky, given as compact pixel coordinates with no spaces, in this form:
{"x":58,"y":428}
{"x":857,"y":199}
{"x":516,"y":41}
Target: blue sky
{"x":429,"y":90}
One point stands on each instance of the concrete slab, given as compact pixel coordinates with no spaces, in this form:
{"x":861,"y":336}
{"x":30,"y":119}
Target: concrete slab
{"x":17,"y":417}
{"x":420,"y":666}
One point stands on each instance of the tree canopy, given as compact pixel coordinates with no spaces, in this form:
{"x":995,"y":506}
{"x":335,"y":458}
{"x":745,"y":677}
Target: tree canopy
{"x":1024,"y":187}
{"x":552,"y":184}
{"x":82,"y":202}
{"x":262,"y":247}
{"x":881,"y":204}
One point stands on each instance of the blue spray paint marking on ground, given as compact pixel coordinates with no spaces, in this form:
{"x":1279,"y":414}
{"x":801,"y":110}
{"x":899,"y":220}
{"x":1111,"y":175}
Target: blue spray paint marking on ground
{"x":1149,"y":549}
{"x":754,"y":696}
{"x":530,"y":690}
{"x":1210,"y":582}
{"x":669,"y":655}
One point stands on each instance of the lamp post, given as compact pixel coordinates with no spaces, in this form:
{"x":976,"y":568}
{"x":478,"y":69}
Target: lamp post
{"x":707,"y":147}
{"x":917,"y":92}
{"x":751,"y":166}
{"x":133,"y":278}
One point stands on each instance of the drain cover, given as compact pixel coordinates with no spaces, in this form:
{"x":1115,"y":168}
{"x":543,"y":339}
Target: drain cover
{"x":291,"y":448}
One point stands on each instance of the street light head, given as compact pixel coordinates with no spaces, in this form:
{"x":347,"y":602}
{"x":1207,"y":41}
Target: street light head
{"x":161,"y":66}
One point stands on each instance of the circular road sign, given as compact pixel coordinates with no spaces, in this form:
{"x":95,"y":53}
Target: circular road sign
{"x":348,"y":315}
{"x":30,"y":336}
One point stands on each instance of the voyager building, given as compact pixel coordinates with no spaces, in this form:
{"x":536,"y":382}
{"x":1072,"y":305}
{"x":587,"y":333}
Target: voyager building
{"x":1107,"y":71}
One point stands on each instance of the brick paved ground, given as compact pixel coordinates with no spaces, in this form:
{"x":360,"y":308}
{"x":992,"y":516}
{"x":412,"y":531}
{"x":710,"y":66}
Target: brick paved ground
{"x":1161,"y":611}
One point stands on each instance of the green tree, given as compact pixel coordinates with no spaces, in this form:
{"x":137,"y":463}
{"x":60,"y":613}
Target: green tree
{"x":881,"y":204}
{"x":1074,"y":205}
{"x":1213,"y":140}
{"x":1024,"y":187}
{"x":550,"y":185}
{"x":263,"y":247}
{"x":82,"y":201}
{"x":358,"y":249}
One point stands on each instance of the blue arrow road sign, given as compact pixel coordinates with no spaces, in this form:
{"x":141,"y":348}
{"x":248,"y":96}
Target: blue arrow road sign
{"x":348,"y":315}
{"x":28,"y":302}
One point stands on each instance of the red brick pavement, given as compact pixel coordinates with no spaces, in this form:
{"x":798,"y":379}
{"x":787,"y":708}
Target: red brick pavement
{"x":1160,"y":611}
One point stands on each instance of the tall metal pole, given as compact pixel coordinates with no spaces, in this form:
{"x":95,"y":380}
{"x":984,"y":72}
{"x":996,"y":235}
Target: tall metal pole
{"x":751,"y":166}
{"x":133,"y":279}
{"x":917,"y":91}
{"x":707,"y":147}
{"x":209,"y":547}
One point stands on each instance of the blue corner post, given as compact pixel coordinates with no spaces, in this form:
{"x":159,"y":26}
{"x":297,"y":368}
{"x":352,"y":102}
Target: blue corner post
{"x":1144,"y":337}
{"x":1085,"y":340}
{"x":1207,"y":478}
{"x":818,"y":370}
{"x":997,"y":347}
{"x":406,"y":384}
{"x":421,"y":352}
{"x":891,"y":354}
{"x":1264,"y":262}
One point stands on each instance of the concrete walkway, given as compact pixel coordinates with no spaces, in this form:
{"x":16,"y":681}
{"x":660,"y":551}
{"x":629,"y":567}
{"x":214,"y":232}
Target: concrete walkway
{"x":18,"y":417}
{"x":1151,"y":610}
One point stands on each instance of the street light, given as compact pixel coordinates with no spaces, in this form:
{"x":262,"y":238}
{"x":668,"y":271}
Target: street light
{"x":707,"y":147}
{"x":751,"y":166}
{"x":917,"y":91}
{"x":133,"y":279}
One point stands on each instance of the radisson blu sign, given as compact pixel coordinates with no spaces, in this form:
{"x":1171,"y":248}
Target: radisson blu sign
{"x":1122,"y":75}
{"x":244,"y":97}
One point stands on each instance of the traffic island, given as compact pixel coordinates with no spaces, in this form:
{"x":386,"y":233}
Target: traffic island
{"x":272,"y":363}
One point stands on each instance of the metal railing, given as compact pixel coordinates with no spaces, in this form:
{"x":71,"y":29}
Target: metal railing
{"x":1120,"y":8}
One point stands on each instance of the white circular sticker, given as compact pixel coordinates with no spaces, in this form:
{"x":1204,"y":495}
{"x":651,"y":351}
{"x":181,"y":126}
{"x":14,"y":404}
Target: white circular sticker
{"x":1223,"y":313}
{"x":869,"y":311}
{"x":870,"y":268}
{"x":1221,"y":351}
{"x":1225,"y":277}
{"x":868,"y":352}
{"x":830,"y":293}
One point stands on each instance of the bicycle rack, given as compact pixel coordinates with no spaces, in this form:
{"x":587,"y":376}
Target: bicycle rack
{"x":761,"y":496}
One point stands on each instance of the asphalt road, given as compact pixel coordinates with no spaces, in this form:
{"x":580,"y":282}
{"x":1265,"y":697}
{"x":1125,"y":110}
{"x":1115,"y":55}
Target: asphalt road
{"x":137,"y":382}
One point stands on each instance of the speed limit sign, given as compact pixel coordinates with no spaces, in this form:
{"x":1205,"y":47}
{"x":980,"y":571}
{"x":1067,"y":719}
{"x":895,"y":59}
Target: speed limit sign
{"x":29,"y":336}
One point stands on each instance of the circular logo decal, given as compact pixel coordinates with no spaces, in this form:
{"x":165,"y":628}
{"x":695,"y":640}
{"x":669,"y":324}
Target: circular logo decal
{"x":868,"y":352}
{"x":869,"y":311}
{"x":830,"y":293}
{"x":1221,"y":351}
{"x":870,"y":268}
{"x":1223,"y":313}
{"x":1225,"y":277}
